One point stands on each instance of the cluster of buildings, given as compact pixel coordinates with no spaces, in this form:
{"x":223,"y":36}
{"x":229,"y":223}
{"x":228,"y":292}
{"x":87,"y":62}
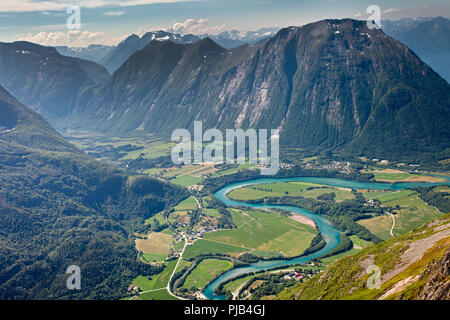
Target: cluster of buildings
{"x":193,"y":235}
{"x":200,"y":233}
{"x":342,"y":166}
{"x":299,"y":276}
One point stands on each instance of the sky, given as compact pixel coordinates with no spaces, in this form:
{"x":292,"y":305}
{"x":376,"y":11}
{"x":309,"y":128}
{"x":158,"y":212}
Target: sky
{"x":110,"y":21}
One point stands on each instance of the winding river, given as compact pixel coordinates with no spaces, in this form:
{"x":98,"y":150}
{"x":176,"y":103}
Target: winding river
{"x":331,"y":234}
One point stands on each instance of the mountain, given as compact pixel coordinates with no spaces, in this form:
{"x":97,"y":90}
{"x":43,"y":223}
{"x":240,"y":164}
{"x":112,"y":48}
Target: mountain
{"x":134,"y":43}
{"x":228,"y":39}
{"x":329,"y":85}
{"x":20,"y":125}
{"x":429,"y":38}
{"x":95,"y":72}
{"x":45,"y":80}
{"x":59,"y":207}
{"x":235,"y":38}
{"x":414,"y":266}
{"x":94,"y":52}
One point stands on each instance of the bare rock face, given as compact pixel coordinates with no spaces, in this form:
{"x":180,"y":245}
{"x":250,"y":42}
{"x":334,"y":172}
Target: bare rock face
{"x":438,"y":285}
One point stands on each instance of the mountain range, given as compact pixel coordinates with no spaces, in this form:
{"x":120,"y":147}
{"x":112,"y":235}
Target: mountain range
{"x":429,"y":38}
{"x":234,"y":38}
{"x":118,"y":55}
{"x":45,"y":80}
{"x":112,"y":57}
{"x":93,"y":52}
{"x":333,"y":84}
{"x":330,"y":85}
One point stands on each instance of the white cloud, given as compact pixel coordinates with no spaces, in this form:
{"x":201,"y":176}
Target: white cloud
{"x":193,"y":26}
{"x":114,"y":13}
{"x":391,"y":10}
{"x":49,"y":5}
{"x":72,"y":38}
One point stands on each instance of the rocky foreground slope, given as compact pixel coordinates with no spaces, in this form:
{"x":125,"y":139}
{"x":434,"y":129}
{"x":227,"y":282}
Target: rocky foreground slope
{"x":413,"y":266}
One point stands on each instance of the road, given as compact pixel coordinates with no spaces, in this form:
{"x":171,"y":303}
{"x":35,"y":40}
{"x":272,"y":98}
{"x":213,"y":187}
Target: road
{"x":171,"y":276}
{"x":198,"y":202}
{"x":393,"y":224}
{"x":175,"y":270}
{"x":236,"y":292}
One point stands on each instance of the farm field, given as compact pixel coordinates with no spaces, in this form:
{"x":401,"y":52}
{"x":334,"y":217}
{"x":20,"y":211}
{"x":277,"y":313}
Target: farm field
{"x":187,"y":180}
{"x":233,"y":170}
{"x":156,"y":281}
{"x":156,"y":243}
{"x":159,"y":217}
{"x":202,"y":246}
{"x":154,"y":257}
{"x":413,"y":213}
{"x":307,"y":190}
{"x":391,"y":175}
{"x":156,"y":295}
{"x":267,"y":232}
{"x":206,"y":271}
{"x":232,"y":286}
{"x":188,"y":204}
{"x":150,"y":146}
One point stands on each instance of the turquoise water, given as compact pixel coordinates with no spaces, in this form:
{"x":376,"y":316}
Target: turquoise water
{"x":331,"y":234}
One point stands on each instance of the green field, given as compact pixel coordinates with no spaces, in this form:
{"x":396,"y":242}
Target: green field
{"x":157,"y":281}
{"x":154,"y":257}
{"x":288,"y":189}
{"x":151,"y":147}
{"x":386,"y":196}
{"x":412,"y":214}
{"x":211,"y":212}
{"x":390,"y":175}
{"x":240,"y":167}
{"x":159,"y":216}
{"x":188,"y":204}
{"x":187,"y":180}
{"x":266,"y":231}
{"x":208,"y":247}
{"x":156,"y":295}
{"x":207,"y":270}
{"x":357,"y":241}
{"x":234,"y":285}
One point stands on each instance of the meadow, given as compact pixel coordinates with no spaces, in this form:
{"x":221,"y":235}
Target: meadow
{"x":391,"y":175}
{"x":209,"y":247}
{"x":413,"y":213}
{"x":157,"y":281}
{"x":156,"y":244}
{"x":307,"y":190}
{"x":266,"y":232}
{"x":206,"y":270}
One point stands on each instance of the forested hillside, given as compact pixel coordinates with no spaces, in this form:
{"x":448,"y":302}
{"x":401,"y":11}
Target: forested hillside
{"x":59,"y":207}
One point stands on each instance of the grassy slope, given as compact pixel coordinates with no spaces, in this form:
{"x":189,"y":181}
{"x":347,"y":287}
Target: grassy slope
{"x":347,"y":278}
{"x":207,"y":270}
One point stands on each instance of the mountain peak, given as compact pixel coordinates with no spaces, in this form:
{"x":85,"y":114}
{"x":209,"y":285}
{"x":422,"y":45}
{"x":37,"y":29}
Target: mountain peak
{"x":208,"y":45}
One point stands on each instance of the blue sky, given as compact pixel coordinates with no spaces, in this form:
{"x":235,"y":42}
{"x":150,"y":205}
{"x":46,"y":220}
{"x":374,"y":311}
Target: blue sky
{"x":110,"y":21}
